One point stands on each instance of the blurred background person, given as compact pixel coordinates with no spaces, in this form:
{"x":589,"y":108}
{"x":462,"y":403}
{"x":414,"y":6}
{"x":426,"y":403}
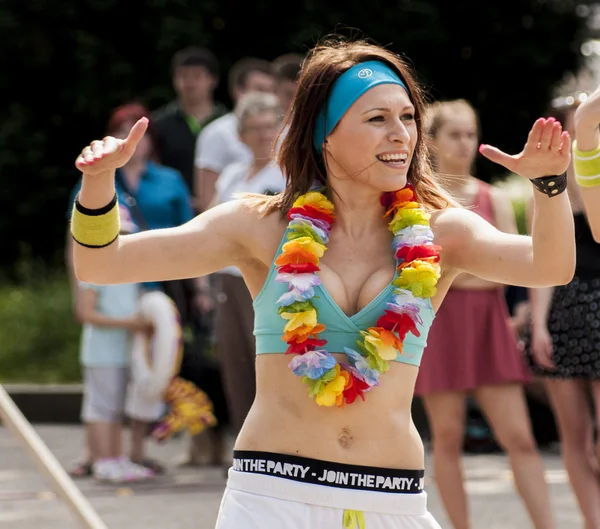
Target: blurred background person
{"x":286,"y":70}
{"x":219,"y":144}
{"x":259,"y":121}
{"x":563,"y":346}
{"x":472,"y":347}
{"x":109,"y":316}
{"x":195,"y":76}
{"x":156,"y":197}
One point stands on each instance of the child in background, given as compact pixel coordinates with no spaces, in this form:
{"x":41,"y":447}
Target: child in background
{"x":109,"y":317}
{"x":156,"y":395}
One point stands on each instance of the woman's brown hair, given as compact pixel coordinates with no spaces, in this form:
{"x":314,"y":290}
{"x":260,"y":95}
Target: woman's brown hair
{"x":299,"y":160}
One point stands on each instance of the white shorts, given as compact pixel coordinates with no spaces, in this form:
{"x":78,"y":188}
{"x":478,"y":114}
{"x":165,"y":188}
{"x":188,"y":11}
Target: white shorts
{"x":256,"y":499}
{"x":140,"y":407}
{"x":104,"y":393}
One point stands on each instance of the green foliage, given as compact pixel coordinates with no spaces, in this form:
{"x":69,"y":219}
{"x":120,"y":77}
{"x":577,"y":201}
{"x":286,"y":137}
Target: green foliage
{"x":39,"y":336}
{"x":81,"y":59}
{"x":520,"y":207}
{"x":519,"y":191}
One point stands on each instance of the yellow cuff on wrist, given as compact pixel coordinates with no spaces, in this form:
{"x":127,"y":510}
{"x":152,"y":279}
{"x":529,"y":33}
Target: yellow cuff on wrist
{"x":587,"y":166}
{"x":95,"y":228}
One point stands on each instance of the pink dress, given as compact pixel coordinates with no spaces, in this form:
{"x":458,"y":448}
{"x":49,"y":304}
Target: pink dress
{"x":471,"y":343}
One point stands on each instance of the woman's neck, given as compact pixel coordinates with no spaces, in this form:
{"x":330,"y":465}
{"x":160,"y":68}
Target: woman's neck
{"x":201,"y":110}
{"x":357,"y":214}
{"x":258,"y":164}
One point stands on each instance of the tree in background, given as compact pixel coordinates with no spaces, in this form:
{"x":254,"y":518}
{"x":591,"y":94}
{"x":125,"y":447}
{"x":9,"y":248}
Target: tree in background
{"x":69,"y":63}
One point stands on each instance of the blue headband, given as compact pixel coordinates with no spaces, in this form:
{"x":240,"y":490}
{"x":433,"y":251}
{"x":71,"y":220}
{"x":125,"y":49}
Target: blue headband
{"x":352,"y":84}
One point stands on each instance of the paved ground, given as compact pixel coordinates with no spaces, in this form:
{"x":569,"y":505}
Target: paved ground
{"x":189,"y":498}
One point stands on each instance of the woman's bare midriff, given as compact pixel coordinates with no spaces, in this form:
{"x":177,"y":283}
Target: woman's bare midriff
{"x":378,"y":432}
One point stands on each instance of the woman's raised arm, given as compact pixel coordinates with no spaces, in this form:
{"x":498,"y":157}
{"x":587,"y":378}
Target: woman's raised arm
{"x":547,"y":258}
{"x":211,"y":241}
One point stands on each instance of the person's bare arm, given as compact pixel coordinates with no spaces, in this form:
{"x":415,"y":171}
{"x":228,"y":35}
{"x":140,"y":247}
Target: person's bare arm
{"x":88,"y":313}
{"x":540,"y":299}
{"x":206,"y":244}
{"x":474,"y":246}
{"x":547,"y":258}
{"x":213,"y":240}
{"x":73,"y":283}
{"x":591,"y":203}
{"x":587,"y":134}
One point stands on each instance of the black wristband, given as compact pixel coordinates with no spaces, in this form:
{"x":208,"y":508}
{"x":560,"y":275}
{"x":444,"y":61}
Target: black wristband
{"x":95,"y":212}
{"x":551,"y":185}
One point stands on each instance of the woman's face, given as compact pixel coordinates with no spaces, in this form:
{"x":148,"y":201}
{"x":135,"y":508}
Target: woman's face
{"x":374,"y":141}
{"x":455,"y":143}
{"x":144,"y":147}
{"x":259,"y":132}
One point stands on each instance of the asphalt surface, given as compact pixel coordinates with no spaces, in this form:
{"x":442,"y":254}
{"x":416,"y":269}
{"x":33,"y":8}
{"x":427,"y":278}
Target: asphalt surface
{"x":188,"y":498}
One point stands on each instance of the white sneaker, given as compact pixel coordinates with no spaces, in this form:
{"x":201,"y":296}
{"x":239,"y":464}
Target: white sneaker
{"x":108,"y":470}
{"x":134,"y":471}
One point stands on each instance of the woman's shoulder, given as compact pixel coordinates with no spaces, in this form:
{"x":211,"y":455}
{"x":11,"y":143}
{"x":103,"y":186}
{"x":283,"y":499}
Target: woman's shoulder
{"x":257,"y":231}
{"x":454,"y":225}
{"x":250,"y":216}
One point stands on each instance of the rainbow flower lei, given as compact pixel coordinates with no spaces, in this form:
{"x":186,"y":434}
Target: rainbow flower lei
{"x":311,"y":218}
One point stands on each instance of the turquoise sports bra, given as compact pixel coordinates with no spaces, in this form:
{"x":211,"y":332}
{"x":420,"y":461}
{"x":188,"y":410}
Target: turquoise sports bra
{"x":341,"y":330}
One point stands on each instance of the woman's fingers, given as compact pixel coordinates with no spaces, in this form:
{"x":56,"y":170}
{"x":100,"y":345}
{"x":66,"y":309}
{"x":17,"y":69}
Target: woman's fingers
{"x":546,"y":134}
{"x":556,"y":138}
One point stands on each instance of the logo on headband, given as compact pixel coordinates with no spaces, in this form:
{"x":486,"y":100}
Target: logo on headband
{"x":365,"y":72}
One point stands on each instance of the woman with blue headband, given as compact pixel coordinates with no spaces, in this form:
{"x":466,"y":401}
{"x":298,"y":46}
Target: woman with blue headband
{"x":346,"y":268}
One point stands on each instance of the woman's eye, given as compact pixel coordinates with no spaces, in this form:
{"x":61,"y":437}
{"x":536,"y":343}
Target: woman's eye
{"x":408,"y":117}
{"x":376,"y":118}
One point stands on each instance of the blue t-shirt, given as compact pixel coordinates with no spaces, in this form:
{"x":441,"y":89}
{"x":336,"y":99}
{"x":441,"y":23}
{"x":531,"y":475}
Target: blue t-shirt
{"x":109,"y":346}
{"x":162,"y":197}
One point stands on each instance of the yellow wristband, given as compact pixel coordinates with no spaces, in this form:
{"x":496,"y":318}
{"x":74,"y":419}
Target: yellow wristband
{"x":95,"y":228}
{"x":587,"y":166}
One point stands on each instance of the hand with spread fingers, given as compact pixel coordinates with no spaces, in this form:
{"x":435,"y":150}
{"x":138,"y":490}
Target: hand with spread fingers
{"x":546,"y":153}
{"x":106,"y":155}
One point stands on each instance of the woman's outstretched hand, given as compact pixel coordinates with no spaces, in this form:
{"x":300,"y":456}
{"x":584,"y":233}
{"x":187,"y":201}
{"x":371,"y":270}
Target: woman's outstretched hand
{"x":546,"y":153}
{"x":106,"y":155}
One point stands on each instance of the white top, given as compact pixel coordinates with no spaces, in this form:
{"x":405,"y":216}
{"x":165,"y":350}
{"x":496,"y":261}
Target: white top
{"x":109,"y":346}
{"x":234,"y":179}
{"x":219,"y":145}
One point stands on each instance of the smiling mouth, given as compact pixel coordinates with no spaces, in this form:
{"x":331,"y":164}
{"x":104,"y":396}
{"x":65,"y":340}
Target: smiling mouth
{"x":393,"y":160}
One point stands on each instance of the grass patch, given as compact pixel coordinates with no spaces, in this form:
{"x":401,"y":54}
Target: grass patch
{"x":39,"y":337}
